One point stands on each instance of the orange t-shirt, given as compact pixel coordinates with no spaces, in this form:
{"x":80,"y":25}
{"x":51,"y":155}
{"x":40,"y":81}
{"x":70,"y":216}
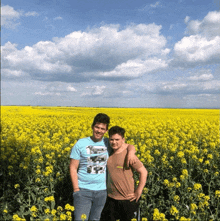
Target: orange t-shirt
{"x":120,"y":179}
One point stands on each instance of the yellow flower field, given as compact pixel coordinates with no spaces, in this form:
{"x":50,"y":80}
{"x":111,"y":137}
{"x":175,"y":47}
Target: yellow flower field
{"x":179,"y":147}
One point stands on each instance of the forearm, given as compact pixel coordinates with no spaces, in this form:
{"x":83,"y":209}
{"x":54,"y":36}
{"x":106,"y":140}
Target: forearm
{"x":131,"y":157}
{"x":74,"y":177}
{"x":142,"y":180}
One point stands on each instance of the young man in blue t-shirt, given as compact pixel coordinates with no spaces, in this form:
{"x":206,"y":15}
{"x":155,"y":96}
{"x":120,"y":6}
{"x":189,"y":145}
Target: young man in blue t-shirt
{"x":88,"y":170}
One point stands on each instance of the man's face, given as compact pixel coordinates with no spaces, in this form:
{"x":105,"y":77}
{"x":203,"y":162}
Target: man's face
{"x":99,"y":129}
{"x":116,"y":141}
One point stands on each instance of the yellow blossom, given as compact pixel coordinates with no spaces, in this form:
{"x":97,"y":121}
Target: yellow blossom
{"x":166,"y":182}
{"x":47,"y":211}
{"x":17,"y":186}
{"x":193,"y":206}
{"x":37,"y":180}
{"x":50,"y":198}
{"x":53,"y":211}
{"x":33,"y":209}
{"x":69,"y":207}
{"x":178,"y":184}
{"x":197,"y":186}
{"x":174,"y":211}
{"x":62,"y":216}
{"x":217,"y":193}
{"x":83,"y":216}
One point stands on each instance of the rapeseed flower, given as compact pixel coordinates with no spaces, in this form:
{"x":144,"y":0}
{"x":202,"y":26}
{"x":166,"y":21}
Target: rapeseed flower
{"x":174,"y":211}
{"x":217,"y":193}
{"x":47,"y":211}
{"x":69,"y":207}
{"x":50,"y":198}
{"x":33,"y":209}
{"x":197,"y":186}
{"x":83,"y":216}
{"x":17,"y":186}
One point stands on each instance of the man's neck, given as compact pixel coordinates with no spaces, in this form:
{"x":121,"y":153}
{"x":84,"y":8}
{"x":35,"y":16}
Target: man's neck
{"x":121,"y":149}
{"x":95,"y":140}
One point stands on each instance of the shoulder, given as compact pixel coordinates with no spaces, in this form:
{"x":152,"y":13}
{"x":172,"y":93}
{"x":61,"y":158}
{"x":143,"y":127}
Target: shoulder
{"x":83,"y":140}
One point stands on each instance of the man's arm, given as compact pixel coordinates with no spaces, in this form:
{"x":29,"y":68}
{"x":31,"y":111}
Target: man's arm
{"x":74,"y":164}
{"x":131,"y":157}
{"x":142,"y":181}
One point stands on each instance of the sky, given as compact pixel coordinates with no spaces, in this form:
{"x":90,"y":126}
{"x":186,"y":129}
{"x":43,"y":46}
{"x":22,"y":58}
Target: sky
{"x":108,"y":53}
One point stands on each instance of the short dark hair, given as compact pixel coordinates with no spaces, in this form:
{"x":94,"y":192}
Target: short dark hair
{"x":116,"y":130}
{"x":101,"y":118}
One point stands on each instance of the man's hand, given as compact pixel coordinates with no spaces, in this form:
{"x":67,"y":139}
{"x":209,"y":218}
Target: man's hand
{"x":135,"y":196}
{"x":76,"y":190}
{"x":131,"y":157}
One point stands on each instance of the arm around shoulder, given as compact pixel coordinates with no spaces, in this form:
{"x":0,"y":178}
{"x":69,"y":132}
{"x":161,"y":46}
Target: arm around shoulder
{"x":131,"y":149}
{"x":131,"y":157}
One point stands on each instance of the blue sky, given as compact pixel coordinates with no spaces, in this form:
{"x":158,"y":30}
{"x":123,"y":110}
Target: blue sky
{"x":111,"y":53}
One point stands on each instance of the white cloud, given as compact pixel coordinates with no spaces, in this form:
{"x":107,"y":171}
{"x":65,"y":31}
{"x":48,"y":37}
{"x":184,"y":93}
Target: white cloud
{"x":135,"y":68}
{"x":189,"y":86}
{"x":195,"y":100}
{"x":187,"y":18}
{"x":58,"y":18}
{"x":70,"y":88}
{"x":213,"y":85}
{"x":151,"y":7}
{"x":195,"y":49}
{"x":95,"y":90}
{"x":46,"y":93}
{"x":173,"y":86}
{"x":33,"y":13}
{"x":155,"y":4}
{"x":98,"y":90}
{"x":202,"y":46}
{"x":60,"y":87}
{"x":203,"y":77}
{"x":98,"y":52}
{"x":13,"y":74}
{"x":10,"y":17}
{"x":209,"y":26}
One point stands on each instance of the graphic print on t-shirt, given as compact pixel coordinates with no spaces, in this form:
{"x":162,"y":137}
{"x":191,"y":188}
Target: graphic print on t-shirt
{"x":97,"y":159}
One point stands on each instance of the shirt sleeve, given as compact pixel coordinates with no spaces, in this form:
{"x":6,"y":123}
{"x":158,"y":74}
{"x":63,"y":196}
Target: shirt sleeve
{"x":75,"y":152}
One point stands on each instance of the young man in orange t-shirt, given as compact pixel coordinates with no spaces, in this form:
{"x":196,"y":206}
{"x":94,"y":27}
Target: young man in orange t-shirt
{"x":122,"y":200}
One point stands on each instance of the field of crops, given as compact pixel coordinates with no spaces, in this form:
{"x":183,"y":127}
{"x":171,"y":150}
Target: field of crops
{"x":179,"y":148}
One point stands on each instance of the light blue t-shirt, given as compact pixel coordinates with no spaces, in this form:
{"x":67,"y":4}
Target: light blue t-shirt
{"x":92,"y":158}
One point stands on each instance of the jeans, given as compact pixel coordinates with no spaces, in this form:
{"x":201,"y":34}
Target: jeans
{"x":90,"y":203}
